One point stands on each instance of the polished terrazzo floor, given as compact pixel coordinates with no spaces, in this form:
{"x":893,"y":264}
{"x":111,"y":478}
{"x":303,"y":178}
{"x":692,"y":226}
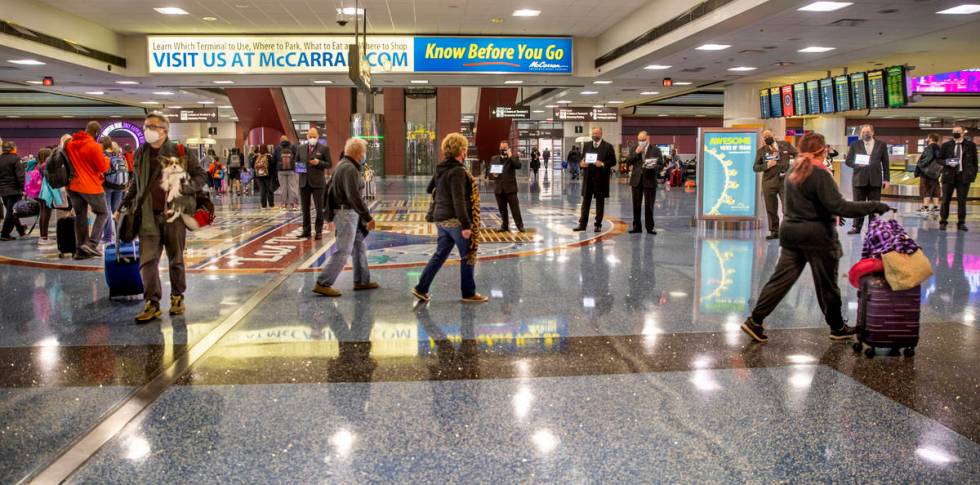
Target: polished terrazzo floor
{"x":600,"y":358}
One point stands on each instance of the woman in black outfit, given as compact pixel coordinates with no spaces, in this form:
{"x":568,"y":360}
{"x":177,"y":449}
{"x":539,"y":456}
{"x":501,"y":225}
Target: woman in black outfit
{"x":809,"y":235}
{"x":11,"y":189}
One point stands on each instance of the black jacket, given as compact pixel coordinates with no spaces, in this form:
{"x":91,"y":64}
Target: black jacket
{"x":505,"y":183}
{"x":969,"y":173}
{"x":314,"y":177}
{"x":451,"y":190}
{"x":11,"y":175}
{"x":346,"y":187}
{"x":878,"y":168}
{"x":772,"y":178}
{"x":811,"y":209}
{"x":597,"y":179}
{"x":574,"y":157}
{"x":646,"y":177}
{"x":929,"y":156}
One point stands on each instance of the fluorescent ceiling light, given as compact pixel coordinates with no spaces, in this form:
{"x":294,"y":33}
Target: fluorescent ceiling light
{"x":552,"y":106}
{"x":115,"y":116}
{"x":538,"y":111}
{"x":225,"y":107}
{"x":649,"y":93}
{"x":13,"y":116}
{"x":205,"y":102}
{"x":513,"y":81}
{"x":682,"y":83}
{"x":171,"y":10}
{"x":961,"y":10}
{"x":589,"y":93}
{"x":656,"y":67}
{"x":614,"y":102}
{"x":35,"y":82}
{"x":95,"y":93}
{"x":149,"y":102}
{"x":526,"y":12}
{"x":176,"y":107}
{"x":67,"y":116}
{"x":26,"y":62}
{"x":663,"y":116}
{"x":816,"y":49}
{"x":322,"y":81}
{"x":223,"y":82}
{"x":825,"y":6}
{"x":713,"y":47}
{"x":564,"y":101}
{"x":163,"y":93}
{"x":209,"y":19}
{"x":601,"y":82}
{"x":419,"y":81}
{"x":598,"y":106}
{"x":350,"y":11}
{"x":127,"y":83}
{"x":742,"y":68}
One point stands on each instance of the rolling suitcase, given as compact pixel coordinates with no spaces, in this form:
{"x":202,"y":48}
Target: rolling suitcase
{"x":65,"y":235}
{"x":122,"y":270}
{"x":887,"y":318}
{"x":676,"y":178}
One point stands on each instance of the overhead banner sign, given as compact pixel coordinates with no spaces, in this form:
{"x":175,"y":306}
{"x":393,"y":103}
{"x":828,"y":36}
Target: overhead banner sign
{"x":510,"y":113}
{"x":191,"y":115}
{"x":261,"y":54}
{"x":586,"y":114}
{"x":728,"y":186}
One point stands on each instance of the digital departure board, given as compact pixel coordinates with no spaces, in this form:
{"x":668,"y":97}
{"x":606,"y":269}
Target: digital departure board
{"x":842,"y":92}
{"x":827,"y":104}
{"x":895,"y":79}
{"x":799,"y":96}
{"x":859,"y":91}
{"x":877,"y":98}
{"x":775,"y":103}
{"x":789,"y":108}
{"x":764,"y":104}
{"x":813,"y":97}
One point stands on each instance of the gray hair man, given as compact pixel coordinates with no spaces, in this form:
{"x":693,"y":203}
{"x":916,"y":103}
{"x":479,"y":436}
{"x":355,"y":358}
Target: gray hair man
{"x":868,"y":158}
{"x":349,"y":215}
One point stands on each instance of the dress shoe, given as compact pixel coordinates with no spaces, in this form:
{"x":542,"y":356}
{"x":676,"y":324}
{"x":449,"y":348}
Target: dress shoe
{"x":366,"y":286}
{"x":961,"y":228}
{"x":423,"y":297}
{"x":579,"y":228}
{"x":942,"y":226}
{"x":652,"y":232}
{"x":772,"y":236}
{"x":325,"y":291}
{"x":598,"y":228}
{"x":503,"y":229}
{"x":635,"y":231}
{"x":304,"y":236}
{"x":476,"y":298}
{"x":318,"y":237}
{"x":521,"y":229}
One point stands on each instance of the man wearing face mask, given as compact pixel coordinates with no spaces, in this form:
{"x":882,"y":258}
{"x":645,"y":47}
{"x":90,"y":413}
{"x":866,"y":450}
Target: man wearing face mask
{"x":598,"y":159}
{"x":960,"y":158}
{"x":772,"y":160}
{"x":311,"y":162}
{"x":146,"y":195}
{"x":348,"y":212}
{"x":503,"y":172}
{"x":869,"y":160}
{"x":647,"y":161}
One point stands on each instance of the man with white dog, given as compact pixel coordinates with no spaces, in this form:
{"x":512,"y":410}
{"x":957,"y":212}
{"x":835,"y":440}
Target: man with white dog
{"x":146,"y":194}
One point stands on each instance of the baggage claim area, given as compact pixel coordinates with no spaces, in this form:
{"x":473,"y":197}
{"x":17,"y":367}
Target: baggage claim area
{"x":697,"y":241}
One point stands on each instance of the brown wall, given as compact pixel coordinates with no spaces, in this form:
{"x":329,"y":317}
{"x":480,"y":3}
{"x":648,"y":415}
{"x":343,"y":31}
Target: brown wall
{"x":394,"y":101}
{"x":339,"y":109}
{"x":259,"y":108}
{"x":448,"y":114}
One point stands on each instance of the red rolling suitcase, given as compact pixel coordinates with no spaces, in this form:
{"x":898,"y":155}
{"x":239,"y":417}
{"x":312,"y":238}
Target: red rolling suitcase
{"x":676,"y":177}
{"x":887,"y":318}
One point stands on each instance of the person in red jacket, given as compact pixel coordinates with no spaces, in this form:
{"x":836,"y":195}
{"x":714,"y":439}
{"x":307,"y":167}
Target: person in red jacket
{"x":89,"y":165}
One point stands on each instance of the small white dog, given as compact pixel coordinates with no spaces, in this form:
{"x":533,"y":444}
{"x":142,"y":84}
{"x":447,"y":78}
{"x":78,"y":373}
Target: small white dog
{"x":174,"y":178}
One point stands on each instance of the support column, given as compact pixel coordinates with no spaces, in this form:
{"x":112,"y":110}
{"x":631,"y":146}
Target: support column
{"x":448,"y":114}
{"x":394,"y":109}
{"x":742,"y":109}
{"x":339,"y":106}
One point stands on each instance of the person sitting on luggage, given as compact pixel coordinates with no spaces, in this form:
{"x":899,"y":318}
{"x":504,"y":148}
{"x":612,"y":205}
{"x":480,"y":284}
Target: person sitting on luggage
{"x":146,"y":194}
{"x":809,"y":235}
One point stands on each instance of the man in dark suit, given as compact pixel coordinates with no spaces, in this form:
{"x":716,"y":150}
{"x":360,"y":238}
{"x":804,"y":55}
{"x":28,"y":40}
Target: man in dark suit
{"x":598,"y":159}
{"x":960,"y":157}
{"x":772,"y":160}
{"x":869,"y":160}
{"x":506,"y":165}
{"x":647,"y":161}
{"x":312,"y":159}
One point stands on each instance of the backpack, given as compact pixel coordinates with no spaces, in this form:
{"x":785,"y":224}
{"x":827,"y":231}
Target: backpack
{"x":117,"y":178}
{"x":234,"y":161}
{"x":262,"y":166}
{"x":286,"y":159}
{"x":58,"y":169}
{"x":32,"y":183}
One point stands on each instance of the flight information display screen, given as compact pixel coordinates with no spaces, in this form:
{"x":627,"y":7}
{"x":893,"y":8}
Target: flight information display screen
{"x":813,"y":97}
{"x":876,"y":90}
{"x":897,"y":95}
{"x":799,"y":97}
{"x":764,"y":104}
{"x":859,"y":91}
{"x":827,"y":95}
{"x":842,"y":91}
{"x":775,"y":103}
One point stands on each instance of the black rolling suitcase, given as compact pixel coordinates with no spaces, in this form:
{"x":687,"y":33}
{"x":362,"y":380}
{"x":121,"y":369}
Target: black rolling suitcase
{"x":65,"y":235}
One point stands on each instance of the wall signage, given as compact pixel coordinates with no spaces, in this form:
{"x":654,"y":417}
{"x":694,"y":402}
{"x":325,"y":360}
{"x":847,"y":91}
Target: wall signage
{"x":136,"y":132}
{"x":586,"y":114}
{"x":191,"y":115}
{"x":511,"y":113}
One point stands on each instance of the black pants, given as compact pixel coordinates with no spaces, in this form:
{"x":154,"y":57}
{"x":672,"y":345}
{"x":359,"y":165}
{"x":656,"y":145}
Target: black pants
{"x":9,"y":221}
{"x":862,"y":194}
{"x":305,"y":194}
{"x":773,"y":196}
{"x":509,"y":200}
{"x":962,"y":190}
{"x":600,"y":209}
{"x":639,"y":194}
{"x":266,"y":195}
{"x":823,"y":265}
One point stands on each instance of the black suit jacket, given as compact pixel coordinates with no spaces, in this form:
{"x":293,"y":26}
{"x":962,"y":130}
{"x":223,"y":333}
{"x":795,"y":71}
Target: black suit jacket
{"x":314,"y":177}
{"x":969,"y":173}
{"x":505,"y":183}
{"x":645,"y":177}
{"x":596,"y":180}
{"x":772,"y":178}
{"x":878,"y":169}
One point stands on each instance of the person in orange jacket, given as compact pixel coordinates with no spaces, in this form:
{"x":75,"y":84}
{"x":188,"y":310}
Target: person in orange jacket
{"x":89,"y":164}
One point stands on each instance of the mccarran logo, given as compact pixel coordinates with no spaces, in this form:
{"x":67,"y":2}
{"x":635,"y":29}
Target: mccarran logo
{"x":545,"y":65}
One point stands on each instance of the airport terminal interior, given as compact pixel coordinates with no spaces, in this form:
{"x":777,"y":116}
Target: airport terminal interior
{"x":609,"y":348}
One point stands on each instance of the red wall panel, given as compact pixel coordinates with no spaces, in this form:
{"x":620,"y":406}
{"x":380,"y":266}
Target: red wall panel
{"x":394,"y":101}
{"x":448,"y":114}
{"x":338,"y":106}
{"x":489,"y":131}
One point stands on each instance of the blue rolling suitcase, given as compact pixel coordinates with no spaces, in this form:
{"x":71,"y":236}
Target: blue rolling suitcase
{"x":122,"y":270}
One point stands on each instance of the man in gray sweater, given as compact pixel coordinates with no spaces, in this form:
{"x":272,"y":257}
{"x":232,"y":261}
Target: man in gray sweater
{"x":349,"y":214}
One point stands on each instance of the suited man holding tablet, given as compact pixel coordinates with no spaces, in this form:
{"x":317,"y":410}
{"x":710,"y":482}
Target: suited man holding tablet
{"x":868,"y":158}
{"x":599,"y":157}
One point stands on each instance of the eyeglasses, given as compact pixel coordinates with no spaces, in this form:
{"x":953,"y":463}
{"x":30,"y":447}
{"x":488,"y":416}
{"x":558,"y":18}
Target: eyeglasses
{"x":152,"y":127}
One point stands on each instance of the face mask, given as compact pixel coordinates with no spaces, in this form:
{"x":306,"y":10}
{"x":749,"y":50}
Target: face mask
{"x":311,"y":141}
{"x":151,"y":136}
{"x":867,"y":137}
{"x":643,"y":143}
{"x":770,"y":140}
{"x":957,"y":136}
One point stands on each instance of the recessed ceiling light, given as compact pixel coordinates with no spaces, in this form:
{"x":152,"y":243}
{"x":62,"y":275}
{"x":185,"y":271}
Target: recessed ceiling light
{"x":538,"y":111}
{"x":656,"y":67}
{"x":552,"y":106}
{"x":649,"y":93}
{"x":699,"y":116}
{"x":127,"y":83}
{"x":26,"y":62}
{"x":564,"y":101}
{"x":350,"y":11}
{"x":419,"y":81}
{"x":13,"y":116}
{"x":589,"y":93}
{"x":497,"y":20}
{"x":663,"y":116}
{"x":149,"y":102}
{"x":163,"y":93}
{"x":205,"y":102}
{"x":961,"y":10}
{"x":816,"y":49}
{"x":176,"y":107}
{"x":171,"y":10}
{"x":602,"y":82}
{"x":35,"y":82}
{"x":742,"y":68}
{"x":67,"y":116}
{"x":682,"y":83}
{"x":225,"y":107}
{"x":95,"y":93}
{"x":713,"y":47}
{"x":598,"y":106}
{"x":513,"y":81}
{"x":614,"y":102}
{"x":322,"y":81}
{"x":115,"y":116}
{"x":223,"y":82}
{"x":526,"y":12}
{"x":209,"y":19}
{"x":825,"y":6}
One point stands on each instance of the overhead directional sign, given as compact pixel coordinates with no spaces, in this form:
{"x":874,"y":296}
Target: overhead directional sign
{"x":191,"y":115}
{"x":586,"y":114}
{"x":511,"y":112}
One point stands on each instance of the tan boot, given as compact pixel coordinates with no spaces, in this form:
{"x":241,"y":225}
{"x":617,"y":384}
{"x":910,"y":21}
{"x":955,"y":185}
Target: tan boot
{"x":326,"y":291}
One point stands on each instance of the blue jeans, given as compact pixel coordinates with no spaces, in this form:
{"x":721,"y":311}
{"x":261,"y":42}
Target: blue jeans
{"x":449,"y":237}
{"x":349,"y":242}
{"x":113,"y":199}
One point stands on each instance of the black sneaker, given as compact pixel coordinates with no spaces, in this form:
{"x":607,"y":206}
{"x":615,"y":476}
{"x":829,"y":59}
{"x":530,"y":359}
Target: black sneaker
{"x":843,"y":333}
{"x":962,"y":228}
{"x":755,"y":330}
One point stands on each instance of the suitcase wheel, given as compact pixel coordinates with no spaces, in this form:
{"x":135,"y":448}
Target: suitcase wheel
{"x":909,"y":352}
{"x":869,"y":352}
{"x":858,"y":347}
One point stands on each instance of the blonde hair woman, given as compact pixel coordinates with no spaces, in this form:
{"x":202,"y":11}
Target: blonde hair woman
{"x":455,"y":210}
